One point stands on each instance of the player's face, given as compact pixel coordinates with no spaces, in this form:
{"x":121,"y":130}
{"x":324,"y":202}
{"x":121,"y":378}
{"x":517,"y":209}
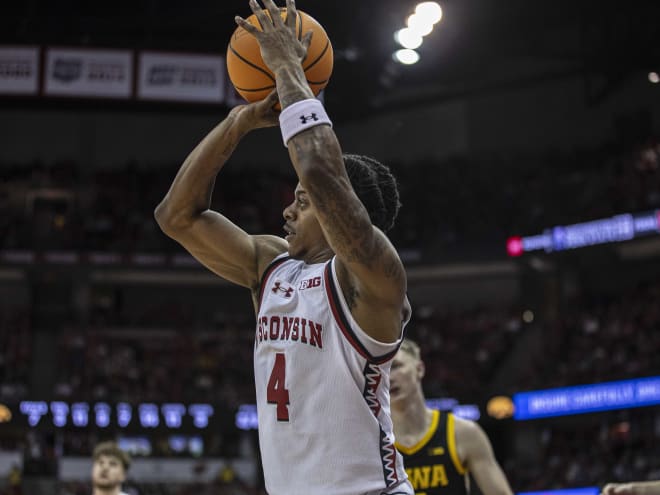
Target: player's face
{"x":405,"y":376}
{"x":108,"y":472}
{"x":303,"y":230}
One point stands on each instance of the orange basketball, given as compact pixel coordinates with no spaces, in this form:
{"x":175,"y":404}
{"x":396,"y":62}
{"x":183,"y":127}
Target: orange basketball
{"x":251,"y":77}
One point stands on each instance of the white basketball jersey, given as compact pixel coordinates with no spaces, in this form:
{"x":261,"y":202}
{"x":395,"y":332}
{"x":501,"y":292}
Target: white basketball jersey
{"x":322,"y":389}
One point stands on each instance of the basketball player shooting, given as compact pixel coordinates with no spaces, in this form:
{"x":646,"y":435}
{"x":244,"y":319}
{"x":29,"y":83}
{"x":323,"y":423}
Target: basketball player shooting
{"x":329,"y":296}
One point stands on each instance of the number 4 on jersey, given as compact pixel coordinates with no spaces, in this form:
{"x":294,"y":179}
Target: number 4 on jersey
{"x":276,"y":393}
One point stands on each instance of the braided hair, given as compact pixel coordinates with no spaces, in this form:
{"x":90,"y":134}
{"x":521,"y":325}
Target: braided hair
{"x":376,"y":187}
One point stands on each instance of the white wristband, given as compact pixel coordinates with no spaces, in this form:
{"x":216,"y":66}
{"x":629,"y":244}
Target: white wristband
{"x":300,"y":116}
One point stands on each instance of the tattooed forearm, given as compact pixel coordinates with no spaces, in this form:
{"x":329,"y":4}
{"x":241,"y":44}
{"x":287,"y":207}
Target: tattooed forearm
{"x":344,"y":218}
{"x":292,"y":86}
{"x":346,"y":221}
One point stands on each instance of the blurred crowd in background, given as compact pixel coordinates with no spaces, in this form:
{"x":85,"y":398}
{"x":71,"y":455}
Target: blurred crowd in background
{"x":170,"y":352}
{"x":62,"y":205}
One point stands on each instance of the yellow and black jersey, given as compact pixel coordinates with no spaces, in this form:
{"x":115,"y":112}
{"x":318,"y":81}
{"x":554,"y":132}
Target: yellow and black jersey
{"x":432,"y":465}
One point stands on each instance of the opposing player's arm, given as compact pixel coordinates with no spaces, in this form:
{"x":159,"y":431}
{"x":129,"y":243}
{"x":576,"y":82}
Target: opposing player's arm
{"x":185,"y":215}
{"x":476,"y":453}
{"x":632,"y":488}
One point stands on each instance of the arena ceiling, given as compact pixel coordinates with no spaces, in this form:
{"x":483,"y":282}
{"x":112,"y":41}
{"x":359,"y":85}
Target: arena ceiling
{"x":480,"y":45}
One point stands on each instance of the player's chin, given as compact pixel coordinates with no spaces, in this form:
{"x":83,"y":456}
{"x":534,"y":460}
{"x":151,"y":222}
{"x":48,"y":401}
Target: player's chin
{"x":294,"y":249}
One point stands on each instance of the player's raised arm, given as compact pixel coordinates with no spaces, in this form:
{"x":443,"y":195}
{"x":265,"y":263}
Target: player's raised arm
{"x":184,"y":213}
{"x":367,"y":261}
{"x":369,"y":269}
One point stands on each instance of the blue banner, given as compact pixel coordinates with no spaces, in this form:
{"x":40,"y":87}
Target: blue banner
{"x":589,"y":490}
{"x":618,"y":228}
{"x":587,"y":398}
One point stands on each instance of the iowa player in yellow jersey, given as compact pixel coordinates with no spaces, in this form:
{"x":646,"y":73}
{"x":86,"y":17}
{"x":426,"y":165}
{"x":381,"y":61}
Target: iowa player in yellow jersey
{"x":439,"y":449}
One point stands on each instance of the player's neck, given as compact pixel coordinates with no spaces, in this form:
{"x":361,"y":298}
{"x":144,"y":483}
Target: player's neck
{"x":412,"y":418}
{"x":106,"y":491}
{"x":321,"y":255}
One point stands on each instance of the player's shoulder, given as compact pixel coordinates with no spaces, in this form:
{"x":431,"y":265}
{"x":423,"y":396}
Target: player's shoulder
{"x":470,"y":435}
{"x":466,"y":428}
{"x":467,"y":423}
{"x":270,"y":244}
{"x":268,"y":248}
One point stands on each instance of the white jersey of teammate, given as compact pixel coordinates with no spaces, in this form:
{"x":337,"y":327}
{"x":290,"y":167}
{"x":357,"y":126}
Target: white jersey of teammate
{"x":322,"y":389}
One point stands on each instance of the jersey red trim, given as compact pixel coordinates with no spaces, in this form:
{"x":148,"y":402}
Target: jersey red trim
{"x":267,"y":272}
{"x":343,"y":321}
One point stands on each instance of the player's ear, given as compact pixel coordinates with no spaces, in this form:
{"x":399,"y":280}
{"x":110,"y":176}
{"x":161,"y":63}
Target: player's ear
{"x":421,"y":369}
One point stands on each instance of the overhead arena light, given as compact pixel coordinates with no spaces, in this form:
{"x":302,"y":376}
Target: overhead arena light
{"x":429,"y":10}
{"x":419,"y":24}
{"x":408,"y":38}
{"x":406,"y":56}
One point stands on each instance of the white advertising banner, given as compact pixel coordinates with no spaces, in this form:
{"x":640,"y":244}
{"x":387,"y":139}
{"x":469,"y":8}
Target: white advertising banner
{"x":181,"y":77}
{"x":89,"y":73}
{"x":19,"y":70}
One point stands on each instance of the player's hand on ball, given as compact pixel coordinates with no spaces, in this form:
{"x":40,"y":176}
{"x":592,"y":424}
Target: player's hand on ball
{"x":262,"y":113}
{"x":278,"y":42}
{"x":252,"y":77}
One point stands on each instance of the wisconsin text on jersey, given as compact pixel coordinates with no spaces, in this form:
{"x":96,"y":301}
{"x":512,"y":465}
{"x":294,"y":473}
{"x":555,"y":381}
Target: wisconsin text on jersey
{"x":293,"y":328}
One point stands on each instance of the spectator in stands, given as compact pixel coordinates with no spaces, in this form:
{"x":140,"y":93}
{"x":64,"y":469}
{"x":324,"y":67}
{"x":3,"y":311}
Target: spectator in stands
{"x":109,"y":469}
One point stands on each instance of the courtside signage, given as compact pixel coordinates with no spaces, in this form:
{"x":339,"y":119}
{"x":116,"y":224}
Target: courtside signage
{"x":80,"y":73}
{"x":100,"y":414}
{"x":181,"y":77}
{"x":19,"y":70}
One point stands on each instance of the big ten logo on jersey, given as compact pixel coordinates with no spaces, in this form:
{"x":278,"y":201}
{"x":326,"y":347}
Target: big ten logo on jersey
{"x":426,"y":477}
{"x":309,"y":283}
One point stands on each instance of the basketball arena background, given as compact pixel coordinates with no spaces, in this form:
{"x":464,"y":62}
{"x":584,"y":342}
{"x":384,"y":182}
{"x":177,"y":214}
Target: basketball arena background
{"x":525,"y":141}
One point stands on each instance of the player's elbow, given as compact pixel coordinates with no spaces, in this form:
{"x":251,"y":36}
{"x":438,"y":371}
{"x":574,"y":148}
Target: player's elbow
{"x":491,"y":479}
{"x":169,"y":221}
